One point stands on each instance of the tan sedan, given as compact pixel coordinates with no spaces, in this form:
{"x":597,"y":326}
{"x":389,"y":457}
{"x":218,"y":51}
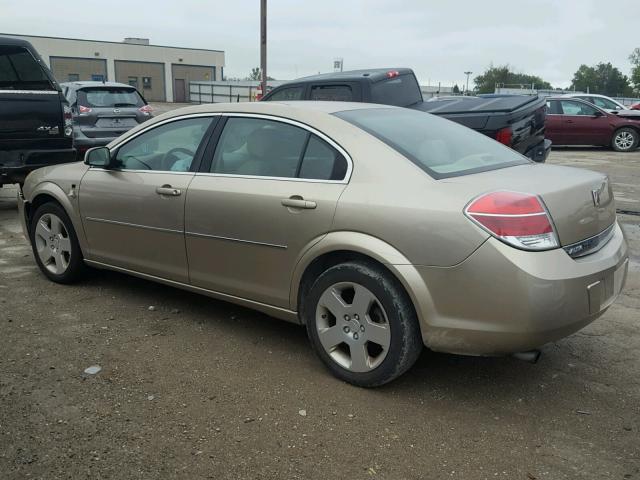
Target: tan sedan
{"x":381,"y":229}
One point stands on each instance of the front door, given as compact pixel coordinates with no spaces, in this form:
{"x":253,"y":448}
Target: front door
{"x":270,"y":192}
{"x":584,"y":124}
{"x":180,"y":91}
{"x":133,"y":213}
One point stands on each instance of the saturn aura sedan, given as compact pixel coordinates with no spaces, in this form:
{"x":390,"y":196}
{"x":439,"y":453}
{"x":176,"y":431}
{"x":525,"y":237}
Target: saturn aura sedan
{"x":381,"y":229}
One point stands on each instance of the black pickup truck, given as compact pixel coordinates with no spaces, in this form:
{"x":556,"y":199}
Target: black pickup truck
{"x":516,"y":121}
{"x":35,"y":119}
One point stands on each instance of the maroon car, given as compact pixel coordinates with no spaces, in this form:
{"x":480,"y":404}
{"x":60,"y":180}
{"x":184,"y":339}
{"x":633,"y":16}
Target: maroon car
{"x":571,"y":121}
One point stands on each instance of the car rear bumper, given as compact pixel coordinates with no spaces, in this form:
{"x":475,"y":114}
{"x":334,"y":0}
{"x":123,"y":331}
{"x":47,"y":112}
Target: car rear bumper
{"x":15,"y":165}
{"x":540,"y":151}
{"x":502,"y":300}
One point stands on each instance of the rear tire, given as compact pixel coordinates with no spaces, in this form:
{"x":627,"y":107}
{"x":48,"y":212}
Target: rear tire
{"x":55,"y":244}
{"x":362,"y":324}
{"x":625,"y":140}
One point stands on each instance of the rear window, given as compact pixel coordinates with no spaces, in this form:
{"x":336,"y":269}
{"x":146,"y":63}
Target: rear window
{"x":332,"y":93}
{"x":400,"y":91}
{"x":110,"y":97}
{"x":440,"y":147}
{"x":19,"y":70}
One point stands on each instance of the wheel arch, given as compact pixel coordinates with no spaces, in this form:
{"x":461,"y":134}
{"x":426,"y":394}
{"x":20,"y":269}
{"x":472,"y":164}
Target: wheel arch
{"x":338,"y":247}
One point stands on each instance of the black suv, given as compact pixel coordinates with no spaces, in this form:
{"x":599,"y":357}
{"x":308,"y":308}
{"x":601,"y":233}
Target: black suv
{"x":35,"y":118}
{"x":102,"y":111}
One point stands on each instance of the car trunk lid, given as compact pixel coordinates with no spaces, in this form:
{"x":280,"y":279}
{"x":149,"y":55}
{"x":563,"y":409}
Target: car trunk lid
{"x":107,"y":112}
{"x":580,"y":202}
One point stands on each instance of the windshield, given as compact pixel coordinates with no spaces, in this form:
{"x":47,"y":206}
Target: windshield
{"x":400,"y":91}
{"x":109,"y":97}
{"x":19,"y":70}
{"x":440,"y":147}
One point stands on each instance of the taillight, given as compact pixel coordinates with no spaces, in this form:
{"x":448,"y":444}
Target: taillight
{"x":518,"y":219}
{"x":504,"y":136}
{"x":146,"y":109}
{"x":83,"y":109}
{"x":68,"y":120}
{"x":392,"y":73}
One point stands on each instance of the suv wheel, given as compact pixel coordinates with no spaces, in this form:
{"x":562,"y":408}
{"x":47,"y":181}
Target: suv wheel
{"x":362,"y":324}
{"x":625,"y":140}
{"x":55,"y":245}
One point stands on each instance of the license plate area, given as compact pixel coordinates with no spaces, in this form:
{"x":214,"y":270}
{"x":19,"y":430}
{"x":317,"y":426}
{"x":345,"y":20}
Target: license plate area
{"x":604,"y":292}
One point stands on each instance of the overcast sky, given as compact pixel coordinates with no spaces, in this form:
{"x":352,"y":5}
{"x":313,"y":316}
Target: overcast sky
{"x":438,"y":39}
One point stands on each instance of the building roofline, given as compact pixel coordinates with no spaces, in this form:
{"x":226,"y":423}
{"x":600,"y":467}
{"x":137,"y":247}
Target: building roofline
{"x":107,"y":41}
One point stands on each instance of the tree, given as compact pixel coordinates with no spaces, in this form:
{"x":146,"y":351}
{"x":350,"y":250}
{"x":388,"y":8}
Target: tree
{"x":634,"y":58}
{"x":486,"y":82}
{"x":456,"y":89}
{"x":256,"y":74}
{"x":602,"y":78}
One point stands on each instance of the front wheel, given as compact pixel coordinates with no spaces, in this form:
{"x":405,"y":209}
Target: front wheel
{"x":55,"y":245}
{"x":625,"y":140}
{"x":362,"y":324}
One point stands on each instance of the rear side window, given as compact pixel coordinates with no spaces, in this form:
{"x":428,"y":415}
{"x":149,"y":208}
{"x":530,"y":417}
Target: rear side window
{"x":553,"y":107}
{"x":293,"y":93}
{"x":19,"y":70}
{"x":111,"y":97}
{"x":266,"y":148}
{"x":440,"y":147}
{"x":400,"y":91}
{"x":332,"y":93}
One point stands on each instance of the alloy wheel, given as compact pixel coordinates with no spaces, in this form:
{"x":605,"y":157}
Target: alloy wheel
{"x":353,"y":327}
{"x":53,"y":243}
{"x":624,"y":140}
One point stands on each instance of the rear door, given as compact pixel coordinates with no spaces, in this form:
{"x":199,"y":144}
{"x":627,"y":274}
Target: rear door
{"x":553,"y":124}
{"x":584,"y":124}
{"x":270,"y":191}
{"x":133,"y":214}
{"x":108,"y":112}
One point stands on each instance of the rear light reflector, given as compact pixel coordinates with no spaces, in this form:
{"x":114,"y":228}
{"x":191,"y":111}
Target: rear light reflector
{"x":504,"y":136}
{"x":517,"y":219}
{"x":146,"y":109}
{"x":83,"y":109}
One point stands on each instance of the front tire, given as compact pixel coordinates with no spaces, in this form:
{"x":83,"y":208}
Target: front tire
{"x":625,"y":140}
{"x":55,"y":244}
{"x":362,"y":324}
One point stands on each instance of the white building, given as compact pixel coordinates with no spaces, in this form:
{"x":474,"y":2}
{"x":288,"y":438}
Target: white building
{"x":161,"y":73}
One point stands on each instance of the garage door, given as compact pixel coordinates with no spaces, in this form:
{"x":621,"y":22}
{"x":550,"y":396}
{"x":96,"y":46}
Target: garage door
{"x":70,"y":69}
{"x":147,"y":77}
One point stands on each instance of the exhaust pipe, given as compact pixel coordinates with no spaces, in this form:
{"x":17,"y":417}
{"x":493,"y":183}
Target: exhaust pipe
{"x":531,"y":356}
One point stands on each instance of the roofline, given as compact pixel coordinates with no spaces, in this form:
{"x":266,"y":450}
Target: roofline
{"x":107,"y":41}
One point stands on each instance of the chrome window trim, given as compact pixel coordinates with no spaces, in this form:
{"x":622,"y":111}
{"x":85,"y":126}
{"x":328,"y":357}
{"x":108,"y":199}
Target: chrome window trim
{"x":593,"y":244}
{"x":120,"y":170}
{"x":134,"y":225}
{"x":239,"y":240}
{"x":295,"y":123}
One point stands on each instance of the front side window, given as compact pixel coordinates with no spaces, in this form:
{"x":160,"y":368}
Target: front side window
{"x":169,"y":147}
{"x":605,"y":103}
{"x":19,"y":70}
{"x":438,"y":146}
{"x":577,"y":108}
{"x":293,"y":93}
{"x":268,"y":148}
{"x":332,"y":93}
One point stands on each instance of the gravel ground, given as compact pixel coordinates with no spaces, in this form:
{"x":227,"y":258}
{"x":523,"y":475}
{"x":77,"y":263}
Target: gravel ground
{"x":195,"y":388}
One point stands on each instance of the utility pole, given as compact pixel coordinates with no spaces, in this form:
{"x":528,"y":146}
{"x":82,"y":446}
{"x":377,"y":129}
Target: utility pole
{"x":466,"y":91}
{"x":263,"y":46}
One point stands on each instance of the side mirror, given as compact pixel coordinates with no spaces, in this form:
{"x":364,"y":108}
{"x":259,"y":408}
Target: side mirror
{"x":98,"y":157}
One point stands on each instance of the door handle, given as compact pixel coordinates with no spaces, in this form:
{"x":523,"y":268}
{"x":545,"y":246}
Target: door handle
{"x":568,"y":121}
{"x":296,"y":201}
{"x":168,"y":190}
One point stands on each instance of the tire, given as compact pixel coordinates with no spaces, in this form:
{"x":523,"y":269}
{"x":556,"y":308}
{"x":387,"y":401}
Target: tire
{"x":55,"y":244}
{"x":625,"y":139}
{"x":369,"y":335}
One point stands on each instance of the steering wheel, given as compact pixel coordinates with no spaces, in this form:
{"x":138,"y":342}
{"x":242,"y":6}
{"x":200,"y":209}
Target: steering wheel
{"x":167,"y":161}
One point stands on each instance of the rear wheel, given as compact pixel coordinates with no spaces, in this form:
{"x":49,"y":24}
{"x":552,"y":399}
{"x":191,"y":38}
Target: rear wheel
{"x":362,"y":324}
{"x":55,"y":245}
{"x":625,"y":140}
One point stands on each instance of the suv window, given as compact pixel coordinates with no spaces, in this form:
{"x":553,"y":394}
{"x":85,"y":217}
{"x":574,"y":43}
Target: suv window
{"x":268,"y":148}
{"x":19,"y":70}
{"x":109,"y":97}
{"x":169,"y":147}
{"x":400,"y":91}
{"x":332,"y":93}
{"x":577,"y":108}
{"x":292,"y":93}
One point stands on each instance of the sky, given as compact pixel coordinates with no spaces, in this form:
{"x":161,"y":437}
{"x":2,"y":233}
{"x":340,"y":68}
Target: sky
{"x":439,"y":40}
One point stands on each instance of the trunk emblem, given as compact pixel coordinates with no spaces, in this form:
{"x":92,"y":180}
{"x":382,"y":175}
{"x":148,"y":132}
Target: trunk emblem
{"x":596,"y":194}
{"x":116,"y":110}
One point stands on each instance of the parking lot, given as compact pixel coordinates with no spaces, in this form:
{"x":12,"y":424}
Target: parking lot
{"x":194,"y":388}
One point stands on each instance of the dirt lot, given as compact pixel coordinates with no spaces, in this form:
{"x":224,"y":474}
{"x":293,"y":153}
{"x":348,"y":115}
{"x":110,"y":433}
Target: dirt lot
{"x":195,"y":388}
